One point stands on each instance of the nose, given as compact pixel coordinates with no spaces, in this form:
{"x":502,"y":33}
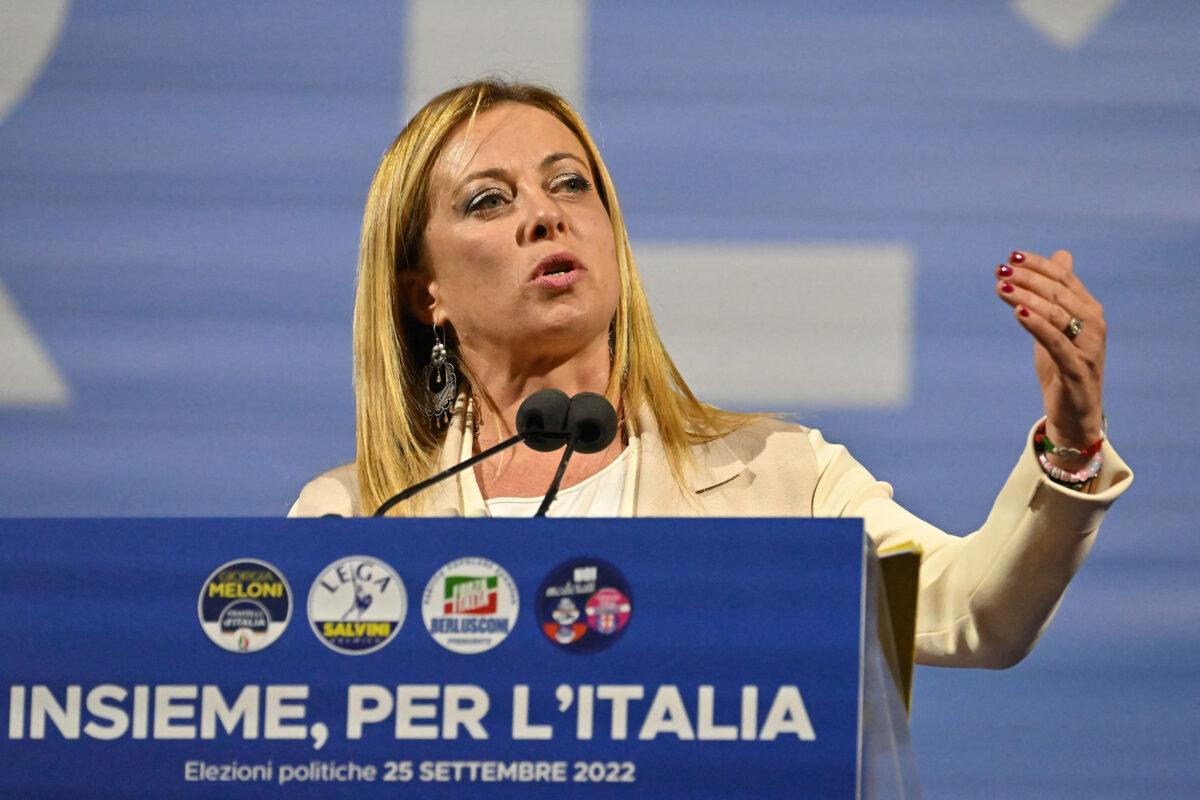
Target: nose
{"x":544,"y":220}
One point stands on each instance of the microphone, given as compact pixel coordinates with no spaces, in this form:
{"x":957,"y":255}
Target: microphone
{"x":541,"y":424}
{"x":542,"y":419}
{"x":591,"y":425}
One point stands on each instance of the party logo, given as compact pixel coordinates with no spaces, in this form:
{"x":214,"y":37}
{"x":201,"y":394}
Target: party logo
{"x":470,"y":605}
{"x":357,"y":605}
{"x":245,"y":605}
{"x":584,"y":604}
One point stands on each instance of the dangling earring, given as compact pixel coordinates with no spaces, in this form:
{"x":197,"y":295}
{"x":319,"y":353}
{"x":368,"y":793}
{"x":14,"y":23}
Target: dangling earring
{"x":441,"y":382}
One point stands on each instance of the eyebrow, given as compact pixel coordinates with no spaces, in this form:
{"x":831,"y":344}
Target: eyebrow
{"x":497,"y":172}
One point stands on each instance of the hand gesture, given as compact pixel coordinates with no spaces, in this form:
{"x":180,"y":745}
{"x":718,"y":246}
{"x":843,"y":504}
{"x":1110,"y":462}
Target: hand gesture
{"x":1069,"y":332}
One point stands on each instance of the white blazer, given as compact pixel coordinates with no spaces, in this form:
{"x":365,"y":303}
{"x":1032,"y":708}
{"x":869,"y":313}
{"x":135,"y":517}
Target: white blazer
{"x":985,"y":598}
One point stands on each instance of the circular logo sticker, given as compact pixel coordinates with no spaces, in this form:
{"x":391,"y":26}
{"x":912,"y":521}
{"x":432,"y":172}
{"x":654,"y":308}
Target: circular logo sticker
{"x":357,"y":605}
{"x":245,"y":605}
{"x":584,"y":604}
{"x":470,"y":605}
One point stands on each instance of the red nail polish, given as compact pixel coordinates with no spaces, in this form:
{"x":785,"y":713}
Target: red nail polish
{"x":1004,"y":271}
{"x":1017,"y":257}
{"x":1006,"y":287}
{"x":1023,"y":311}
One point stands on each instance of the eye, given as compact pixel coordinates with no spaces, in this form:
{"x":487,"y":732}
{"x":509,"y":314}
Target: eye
{"x":487,"y":200}
{"x":575,"y":184}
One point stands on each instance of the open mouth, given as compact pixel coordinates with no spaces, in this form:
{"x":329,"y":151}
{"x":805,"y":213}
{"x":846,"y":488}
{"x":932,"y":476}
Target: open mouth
{"x":559,"y":264}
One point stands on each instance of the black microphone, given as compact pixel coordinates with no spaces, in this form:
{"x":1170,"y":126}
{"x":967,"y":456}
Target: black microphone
{"x":591,"y":425}
{"x":542,"y":419}
{"x":541,"y":424}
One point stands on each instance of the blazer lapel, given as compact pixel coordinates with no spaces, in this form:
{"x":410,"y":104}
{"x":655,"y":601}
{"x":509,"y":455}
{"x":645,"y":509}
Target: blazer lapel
{"x":658,"y":493}
{"x":445,"y":499}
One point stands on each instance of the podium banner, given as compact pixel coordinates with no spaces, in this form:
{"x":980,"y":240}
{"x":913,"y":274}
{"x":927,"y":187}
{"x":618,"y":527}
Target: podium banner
{"x":639,"y":658}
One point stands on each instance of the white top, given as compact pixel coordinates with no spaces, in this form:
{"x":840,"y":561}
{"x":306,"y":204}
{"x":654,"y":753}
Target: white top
{"x":611,"y":492}
{"x":596,"y":496}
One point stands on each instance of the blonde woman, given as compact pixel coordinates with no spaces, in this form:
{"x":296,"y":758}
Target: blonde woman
{"x":495,"y":262}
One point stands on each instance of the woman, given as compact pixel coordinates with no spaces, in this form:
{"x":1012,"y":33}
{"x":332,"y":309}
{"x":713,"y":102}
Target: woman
{"x":492,"y":233}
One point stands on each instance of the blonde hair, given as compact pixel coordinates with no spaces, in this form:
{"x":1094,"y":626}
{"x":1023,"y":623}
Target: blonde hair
{"x":396,"y":446}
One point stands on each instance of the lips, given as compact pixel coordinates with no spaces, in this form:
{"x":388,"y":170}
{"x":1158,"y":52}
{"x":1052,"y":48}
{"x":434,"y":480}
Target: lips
{"x":557,"y":272}
{"x":555,"y":267}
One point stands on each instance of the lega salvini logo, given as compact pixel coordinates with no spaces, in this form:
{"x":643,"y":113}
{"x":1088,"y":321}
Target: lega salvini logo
{"x":357,"y":605}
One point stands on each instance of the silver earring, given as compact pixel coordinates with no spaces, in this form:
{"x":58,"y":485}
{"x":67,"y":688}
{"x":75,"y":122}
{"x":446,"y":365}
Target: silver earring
{"x":441,"y":382}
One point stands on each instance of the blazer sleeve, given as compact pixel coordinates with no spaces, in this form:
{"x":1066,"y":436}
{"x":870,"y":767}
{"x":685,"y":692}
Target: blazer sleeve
{"x":986,"y":597}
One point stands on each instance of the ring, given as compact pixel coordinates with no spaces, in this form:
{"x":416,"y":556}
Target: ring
{"x":1073,"y":328}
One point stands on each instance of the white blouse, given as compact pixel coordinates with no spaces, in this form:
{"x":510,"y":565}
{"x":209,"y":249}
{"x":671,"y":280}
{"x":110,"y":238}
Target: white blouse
{"x":611,"y":492}
{"x":598,"y":495}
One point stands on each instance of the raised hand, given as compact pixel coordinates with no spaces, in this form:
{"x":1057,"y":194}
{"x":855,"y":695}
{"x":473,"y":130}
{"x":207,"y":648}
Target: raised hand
{"x":1067,"y":324}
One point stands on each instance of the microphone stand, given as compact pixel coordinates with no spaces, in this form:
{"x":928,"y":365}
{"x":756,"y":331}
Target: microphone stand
{"x":470,"y":462}
{"x":552,"y":492}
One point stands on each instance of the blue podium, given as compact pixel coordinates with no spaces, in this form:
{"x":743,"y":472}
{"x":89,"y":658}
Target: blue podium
{"x":640,"y":658}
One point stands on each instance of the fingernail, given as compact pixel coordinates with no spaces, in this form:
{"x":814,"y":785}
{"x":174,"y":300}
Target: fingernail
{"x":1006,"y":287}
{"x":1017,"y":257}
{"x":1004,"y":271}
{"x":1023,"y":311}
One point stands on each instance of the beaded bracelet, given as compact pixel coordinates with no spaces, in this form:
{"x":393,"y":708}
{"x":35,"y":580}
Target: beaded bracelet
{"x":1043,"y":442}
{"x":1073,"y":480}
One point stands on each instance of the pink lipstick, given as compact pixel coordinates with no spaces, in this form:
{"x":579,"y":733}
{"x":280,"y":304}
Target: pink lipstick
{"x":557,"y":271}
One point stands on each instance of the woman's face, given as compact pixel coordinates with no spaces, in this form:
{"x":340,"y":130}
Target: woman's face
{"x":519,"y":191}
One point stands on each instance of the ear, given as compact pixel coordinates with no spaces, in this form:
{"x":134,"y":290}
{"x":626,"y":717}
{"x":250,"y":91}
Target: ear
{"x":418,"y":292}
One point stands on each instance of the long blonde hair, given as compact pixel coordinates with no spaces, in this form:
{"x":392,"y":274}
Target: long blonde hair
{"x":396,"y":445}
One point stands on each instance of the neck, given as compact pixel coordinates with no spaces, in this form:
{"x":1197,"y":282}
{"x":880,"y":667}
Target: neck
{"x":503,"y":383}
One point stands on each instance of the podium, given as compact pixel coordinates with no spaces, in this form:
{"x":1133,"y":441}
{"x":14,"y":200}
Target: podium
{"x":640,"y":658}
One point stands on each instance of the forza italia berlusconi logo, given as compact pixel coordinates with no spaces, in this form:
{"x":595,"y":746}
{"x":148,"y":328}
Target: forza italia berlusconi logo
{"x":357,"y":605}
{"x":470,"y":605}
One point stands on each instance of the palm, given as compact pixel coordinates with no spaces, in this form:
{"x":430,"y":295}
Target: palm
{"x":1047,"y":293}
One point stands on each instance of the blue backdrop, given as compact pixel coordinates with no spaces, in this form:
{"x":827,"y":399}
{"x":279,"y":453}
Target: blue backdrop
{"x":180,"y":196}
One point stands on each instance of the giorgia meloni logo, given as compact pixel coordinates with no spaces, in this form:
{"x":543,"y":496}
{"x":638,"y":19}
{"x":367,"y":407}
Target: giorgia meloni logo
{"x":245,"y":605}
{"x":357,"y":605}
{"x":470,"y":605}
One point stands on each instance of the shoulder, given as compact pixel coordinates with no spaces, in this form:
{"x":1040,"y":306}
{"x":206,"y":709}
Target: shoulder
{"x":332,"y":492}
{"x":775,"y":450}
{"x":766,"y":467}
{"x":770,"y":444}
{"x":765,"y":439}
